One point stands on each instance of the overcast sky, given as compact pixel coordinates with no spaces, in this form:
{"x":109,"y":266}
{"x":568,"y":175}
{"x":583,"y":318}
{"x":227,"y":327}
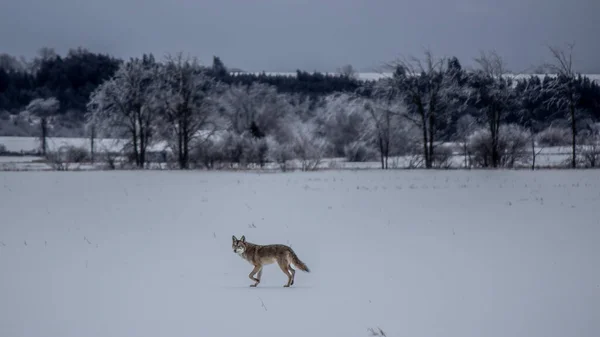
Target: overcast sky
{"x":284,"y":35}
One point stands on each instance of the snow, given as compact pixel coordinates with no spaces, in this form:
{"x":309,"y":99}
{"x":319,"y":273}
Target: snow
{"x":32,"y":144}
{"x":416,"y":253}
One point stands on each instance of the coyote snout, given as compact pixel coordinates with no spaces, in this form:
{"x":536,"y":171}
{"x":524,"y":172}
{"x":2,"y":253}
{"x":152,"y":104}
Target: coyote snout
{"x":261,"y":255}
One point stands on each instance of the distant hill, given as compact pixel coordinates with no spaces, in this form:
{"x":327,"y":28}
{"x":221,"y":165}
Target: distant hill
{"x":370,"y":76}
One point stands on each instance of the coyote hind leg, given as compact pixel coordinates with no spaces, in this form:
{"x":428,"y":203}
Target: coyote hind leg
{"x":257,"y":269}
{"x":284,"y":267}
{"x":293,"y":273}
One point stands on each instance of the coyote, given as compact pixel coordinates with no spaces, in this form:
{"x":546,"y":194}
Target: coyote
{"x":260,"y":255}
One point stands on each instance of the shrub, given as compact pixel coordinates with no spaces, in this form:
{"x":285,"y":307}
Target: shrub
{"x":280,"y":153}
{"x":553,"y":136}
{"x":589,"y":140}
{"x":442,"y":156}
{"x":513,"y":141}
{"x":309,"y":147}
{"x":359,"y":151}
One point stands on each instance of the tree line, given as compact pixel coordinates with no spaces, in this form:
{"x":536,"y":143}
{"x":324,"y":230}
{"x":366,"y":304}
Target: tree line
{"x":208,"y":115}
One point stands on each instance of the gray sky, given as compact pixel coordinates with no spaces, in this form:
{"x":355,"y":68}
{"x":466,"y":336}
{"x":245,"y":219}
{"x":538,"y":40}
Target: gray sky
{"x":283,"y":35}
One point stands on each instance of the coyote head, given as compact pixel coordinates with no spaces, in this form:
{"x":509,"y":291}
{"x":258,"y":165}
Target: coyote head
{"x":239,"y":246}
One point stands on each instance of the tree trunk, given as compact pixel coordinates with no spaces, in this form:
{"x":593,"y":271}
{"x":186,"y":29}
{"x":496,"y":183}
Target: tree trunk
{"x":44,"y":125}
{"x":495,"y":129}
{"x":186,"y":145}
{"x":186,"y":151}
{"x":92,"y":136}
{"x":495,"y":156}
{"x":143,"y":140}
{"x":574,"y":136}
{"x":180,"y":147}
{"x":425,"y":145}
{"x":135,"y":148}
{"x":465,"y":149}
{"x":387,"y":151}
{"x":431,"y":138}
{"x":141,"y":153}
{"x":142,"y":150}
{"x":532,"y":154}
{"x":381,"y":152}
{"x":432,"y":125}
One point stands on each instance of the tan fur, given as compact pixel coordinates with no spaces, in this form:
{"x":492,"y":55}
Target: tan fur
{"x":261,"y":255}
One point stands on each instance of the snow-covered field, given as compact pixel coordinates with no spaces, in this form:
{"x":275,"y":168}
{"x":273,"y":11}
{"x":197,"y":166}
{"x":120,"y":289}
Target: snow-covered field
{"x":416,"y":253}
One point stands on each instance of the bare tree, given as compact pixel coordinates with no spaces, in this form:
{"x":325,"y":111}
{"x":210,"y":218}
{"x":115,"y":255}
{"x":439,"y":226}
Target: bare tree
{"x":44,"y":109}
{"x":186,"y":113}
{"x":386,"y":108}
{"x":530,"y":101}
{"x":564,"y":95}
{"x":429,"y":90}
{"x":128,"y":101}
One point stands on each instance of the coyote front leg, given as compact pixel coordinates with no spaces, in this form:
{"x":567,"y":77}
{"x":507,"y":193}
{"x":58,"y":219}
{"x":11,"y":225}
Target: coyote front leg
{"x":257,"y":269}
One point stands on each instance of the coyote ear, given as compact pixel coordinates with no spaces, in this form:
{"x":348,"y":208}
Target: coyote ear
{"x":234,"y":238}
{"x":243,"y":239}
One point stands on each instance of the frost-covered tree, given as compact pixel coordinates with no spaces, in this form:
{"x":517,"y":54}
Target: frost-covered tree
{"x":563,"y":93}
{"x":256,"y":112}
{"x":344,"y":122}
{"x":44,"y":109}
{"x":186,"y":106}
{"x":308,"y":146}
{"x":256,"y":108}
{"x":492,"y":94}
{"x":279,"y":153}
{"x":128,"y":101}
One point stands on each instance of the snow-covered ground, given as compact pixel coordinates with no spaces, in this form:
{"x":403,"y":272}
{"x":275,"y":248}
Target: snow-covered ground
{"x":416,"y":253}
{"x":32,"y":144}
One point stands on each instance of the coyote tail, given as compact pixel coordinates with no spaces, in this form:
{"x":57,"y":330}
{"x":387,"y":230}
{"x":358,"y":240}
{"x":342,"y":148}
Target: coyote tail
{"x":296,"y":261}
